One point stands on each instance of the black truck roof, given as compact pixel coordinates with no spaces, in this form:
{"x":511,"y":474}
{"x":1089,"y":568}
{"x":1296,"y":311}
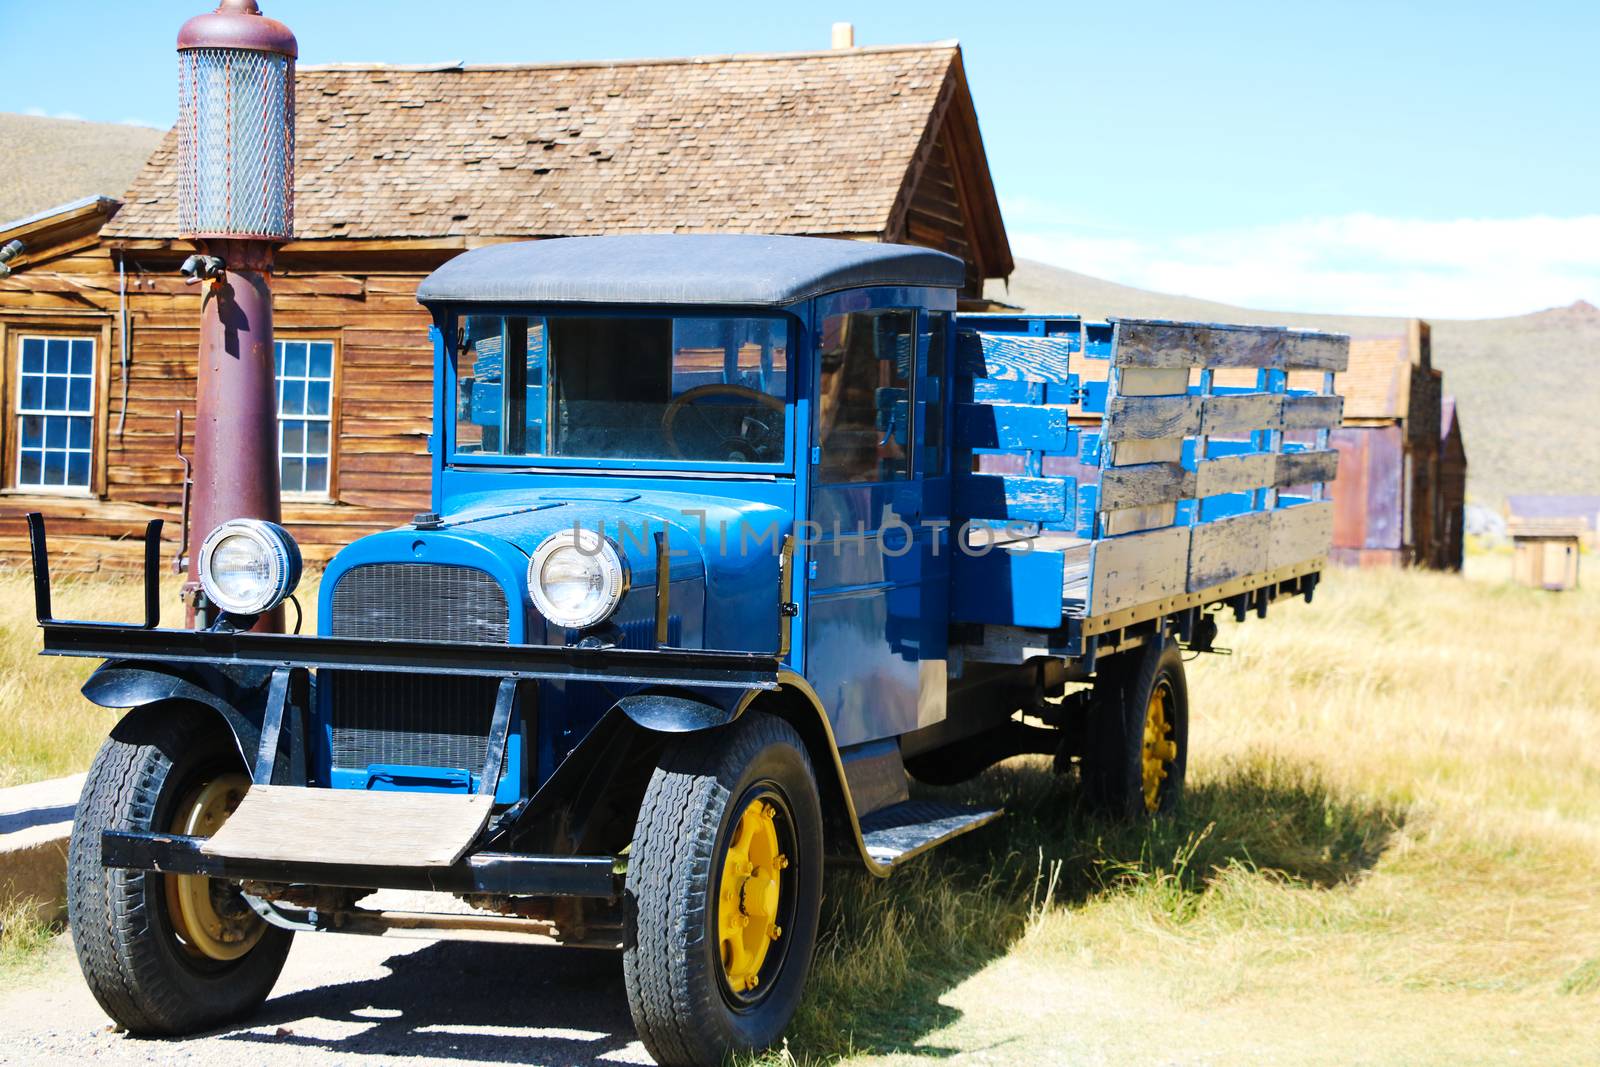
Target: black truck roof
{"x":741,"y":269}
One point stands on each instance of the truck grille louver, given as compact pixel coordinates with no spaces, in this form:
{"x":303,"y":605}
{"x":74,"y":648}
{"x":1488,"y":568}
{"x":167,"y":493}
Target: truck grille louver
{"x":411,"y":719}
{"x":421,"y":602}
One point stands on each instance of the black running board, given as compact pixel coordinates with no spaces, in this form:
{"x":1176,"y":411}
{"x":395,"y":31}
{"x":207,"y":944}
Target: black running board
{"x":906,"y":830}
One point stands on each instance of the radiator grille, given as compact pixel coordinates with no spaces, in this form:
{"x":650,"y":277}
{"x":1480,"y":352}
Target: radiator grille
{"x":414,"y":719}
{"x":420,"y":602}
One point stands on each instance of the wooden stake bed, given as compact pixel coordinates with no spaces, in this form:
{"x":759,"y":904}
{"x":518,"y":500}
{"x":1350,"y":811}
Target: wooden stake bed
{"x":351,"y":826}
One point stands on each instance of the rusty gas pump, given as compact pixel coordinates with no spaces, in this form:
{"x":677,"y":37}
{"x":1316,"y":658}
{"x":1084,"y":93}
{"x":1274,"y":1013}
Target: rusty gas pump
{"x":236,"y":204}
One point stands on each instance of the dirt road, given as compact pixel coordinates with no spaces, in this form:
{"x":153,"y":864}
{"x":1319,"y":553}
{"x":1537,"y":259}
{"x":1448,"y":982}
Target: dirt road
{"x":347,"y":999}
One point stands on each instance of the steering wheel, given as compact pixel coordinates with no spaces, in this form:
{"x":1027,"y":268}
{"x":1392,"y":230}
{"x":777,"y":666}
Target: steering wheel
{"x":755,"y":439}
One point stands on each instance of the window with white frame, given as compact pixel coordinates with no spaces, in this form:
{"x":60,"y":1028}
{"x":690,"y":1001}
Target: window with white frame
{"x":55,"y":412}
{"x":305,"y":415}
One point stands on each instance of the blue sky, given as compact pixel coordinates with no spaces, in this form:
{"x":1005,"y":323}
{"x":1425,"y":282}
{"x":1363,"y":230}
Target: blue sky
{"x":1396,"y":158}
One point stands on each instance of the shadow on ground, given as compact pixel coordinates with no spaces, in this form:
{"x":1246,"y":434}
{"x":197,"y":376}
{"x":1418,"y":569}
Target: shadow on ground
{"x":892,"y":949}
{"x":460,"y":1000}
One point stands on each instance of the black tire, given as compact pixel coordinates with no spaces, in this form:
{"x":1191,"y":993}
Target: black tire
{"x":682,"y":1006}
{"x":134,"y":964}
{"x":1111,"y":772}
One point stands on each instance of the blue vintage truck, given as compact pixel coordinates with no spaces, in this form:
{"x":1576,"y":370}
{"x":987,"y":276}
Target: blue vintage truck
{"x":730,"y":538}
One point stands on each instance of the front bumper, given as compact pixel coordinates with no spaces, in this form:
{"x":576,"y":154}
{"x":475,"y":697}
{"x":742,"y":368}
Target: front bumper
{"x":500,"y":873}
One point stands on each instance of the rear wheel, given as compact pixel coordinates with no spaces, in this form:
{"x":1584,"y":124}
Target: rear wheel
{"x":166,"y":954}
{"x":1136,"y":744}
{"x":723,"y":892}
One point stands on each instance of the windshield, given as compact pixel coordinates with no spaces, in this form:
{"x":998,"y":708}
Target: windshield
{"x":695,"y":388}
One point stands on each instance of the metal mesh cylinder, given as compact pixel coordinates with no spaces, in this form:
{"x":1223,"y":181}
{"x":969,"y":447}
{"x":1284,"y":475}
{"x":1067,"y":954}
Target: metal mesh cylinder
{"x":235,"y":144}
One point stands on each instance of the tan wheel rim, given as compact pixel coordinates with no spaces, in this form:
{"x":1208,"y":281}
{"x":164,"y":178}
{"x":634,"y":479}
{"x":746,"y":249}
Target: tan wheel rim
{"x":1159,"y":747}
{"x":749,"y":894}
{"x":208,"y":916}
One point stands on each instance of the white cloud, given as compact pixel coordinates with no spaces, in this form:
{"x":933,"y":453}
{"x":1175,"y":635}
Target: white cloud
{"x":1357,"y":264}
{"x":139,"y":122}
{"x":41,"y":113}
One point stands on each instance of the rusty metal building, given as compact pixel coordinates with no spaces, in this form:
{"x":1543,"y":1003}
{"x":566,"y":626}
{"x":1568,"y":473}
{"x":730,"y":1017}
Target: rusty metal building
{"x":1400,"y":495}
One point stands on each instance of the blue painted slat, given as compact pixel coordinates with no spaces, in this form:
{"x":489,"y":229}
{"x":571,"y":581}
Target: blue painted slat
{"x":1006,"y":496}
{"x":1094,"y":397}
{"x":1008,"y":588}
{"x":1011,"y":426}
{"x":996,"y":391}
{"x":1021,"y":357}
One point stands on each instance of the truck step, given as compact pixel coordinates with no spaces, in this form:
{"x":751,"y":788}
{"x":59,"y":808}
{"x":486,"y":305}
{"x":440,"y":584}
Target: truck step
{"x":350,"y":826}
{"x":895,"y":834}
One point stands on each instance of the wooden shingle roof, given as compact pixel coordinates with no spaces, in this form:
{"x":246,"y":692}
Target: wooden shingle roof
{"x":803,"y":143}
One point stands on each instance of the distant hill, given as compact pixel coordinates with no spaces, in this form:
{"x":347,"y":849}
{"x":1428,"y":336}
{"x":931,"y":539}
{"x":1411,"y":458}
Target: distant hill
{"x":1528,"y":387}
{"x":45,"y":162}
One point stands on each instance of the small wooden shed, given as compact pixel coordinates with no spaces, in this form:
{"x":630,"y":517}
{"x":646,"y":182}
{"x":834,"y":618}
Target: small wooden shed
{"x":1546,"y":552}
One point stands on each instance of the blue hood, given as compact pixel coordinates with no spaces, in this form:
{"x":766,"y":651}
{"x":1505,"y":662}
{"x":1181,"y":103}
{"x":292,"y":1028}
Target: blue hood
{"x":720,"y":551}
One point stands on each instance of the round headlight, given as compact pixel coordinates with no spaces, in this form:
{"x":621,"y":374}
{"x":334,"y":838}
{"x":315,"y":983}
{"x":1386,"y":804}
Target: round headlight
{"x":576,"y":578}
{"x":248,"y":566}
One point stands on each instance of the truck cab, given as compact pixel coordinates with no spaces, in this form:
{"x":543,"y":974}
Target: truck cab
{"x":731,"y":538}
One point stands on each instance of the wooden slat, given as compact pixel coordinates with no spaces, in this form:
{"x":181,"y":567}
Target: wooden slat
{"x":1130,"y":418}
{"x":391,"y":829}
{"x":1143,"y":484}
{"x":1188,"y":344}
{"x":1231,"y":474}
{"x":1002,"y":496}
{"x":1015,"y":426}
{"x":1225,"y":549}
{"x":1138,"y":568}
{"x":1315,"y":351}
{"x":1240,"y":413}
{"x":1298,"y":468}
{"x":1299,"y":533}
{"x":1312,"y":412}
{"x":1142,"y":343}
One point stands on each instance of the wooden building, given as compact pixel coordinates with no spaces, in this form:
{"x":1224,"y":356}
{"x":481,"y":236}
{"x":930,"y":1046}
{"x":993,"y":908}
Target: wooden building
{"x":1581,"y":510}
{"x":1545,"y":552}
{"x":397,"y":170}
{"x":1452,"y":487}
{"x":1397,"y":501}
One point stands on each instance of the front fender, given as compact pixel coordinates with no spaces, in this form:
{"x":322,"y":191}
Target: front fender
{"x":794,"y":700}
{"x":237,"y":694}
{"x":667,"y":713}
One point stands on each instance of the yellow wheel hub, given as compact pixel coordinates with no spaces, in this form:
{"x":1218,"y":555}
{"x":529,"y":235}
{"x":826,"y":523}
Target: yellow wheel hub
{"x":1159,"y":747}
{"x":210,"y":917}
{"x":748,"y":895}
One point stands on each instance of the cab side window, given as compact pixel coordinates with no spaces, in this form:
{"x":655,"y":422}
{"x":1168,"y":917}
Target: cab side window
{"x":864,"y":400}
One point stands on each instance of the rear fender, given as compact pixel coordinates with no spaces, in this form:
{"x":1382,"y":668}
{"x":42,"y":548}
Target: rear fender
{"x":236,"y":695}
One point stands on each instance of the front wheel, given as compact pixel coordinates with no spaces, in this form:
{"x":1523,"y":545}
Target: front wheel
{"x":166,"y":954}
{"x":724,"y":889}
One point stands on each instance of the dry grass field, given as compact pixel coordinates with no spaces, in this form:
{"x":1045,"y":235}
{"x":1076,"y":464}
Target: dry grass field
{"x":1389,"y":855}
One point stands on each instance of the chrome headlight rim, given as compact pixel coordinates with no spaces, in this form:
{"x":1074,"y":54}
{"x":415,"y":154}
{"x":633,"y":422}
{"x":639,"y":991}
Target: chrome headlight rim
{"x":280,"y":553}
{"x":593,"y":545}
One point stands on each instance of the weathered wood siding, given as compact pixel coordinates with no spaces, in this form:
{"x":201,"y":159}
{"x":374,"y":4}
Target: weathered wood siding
{"x":382,"y":409}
